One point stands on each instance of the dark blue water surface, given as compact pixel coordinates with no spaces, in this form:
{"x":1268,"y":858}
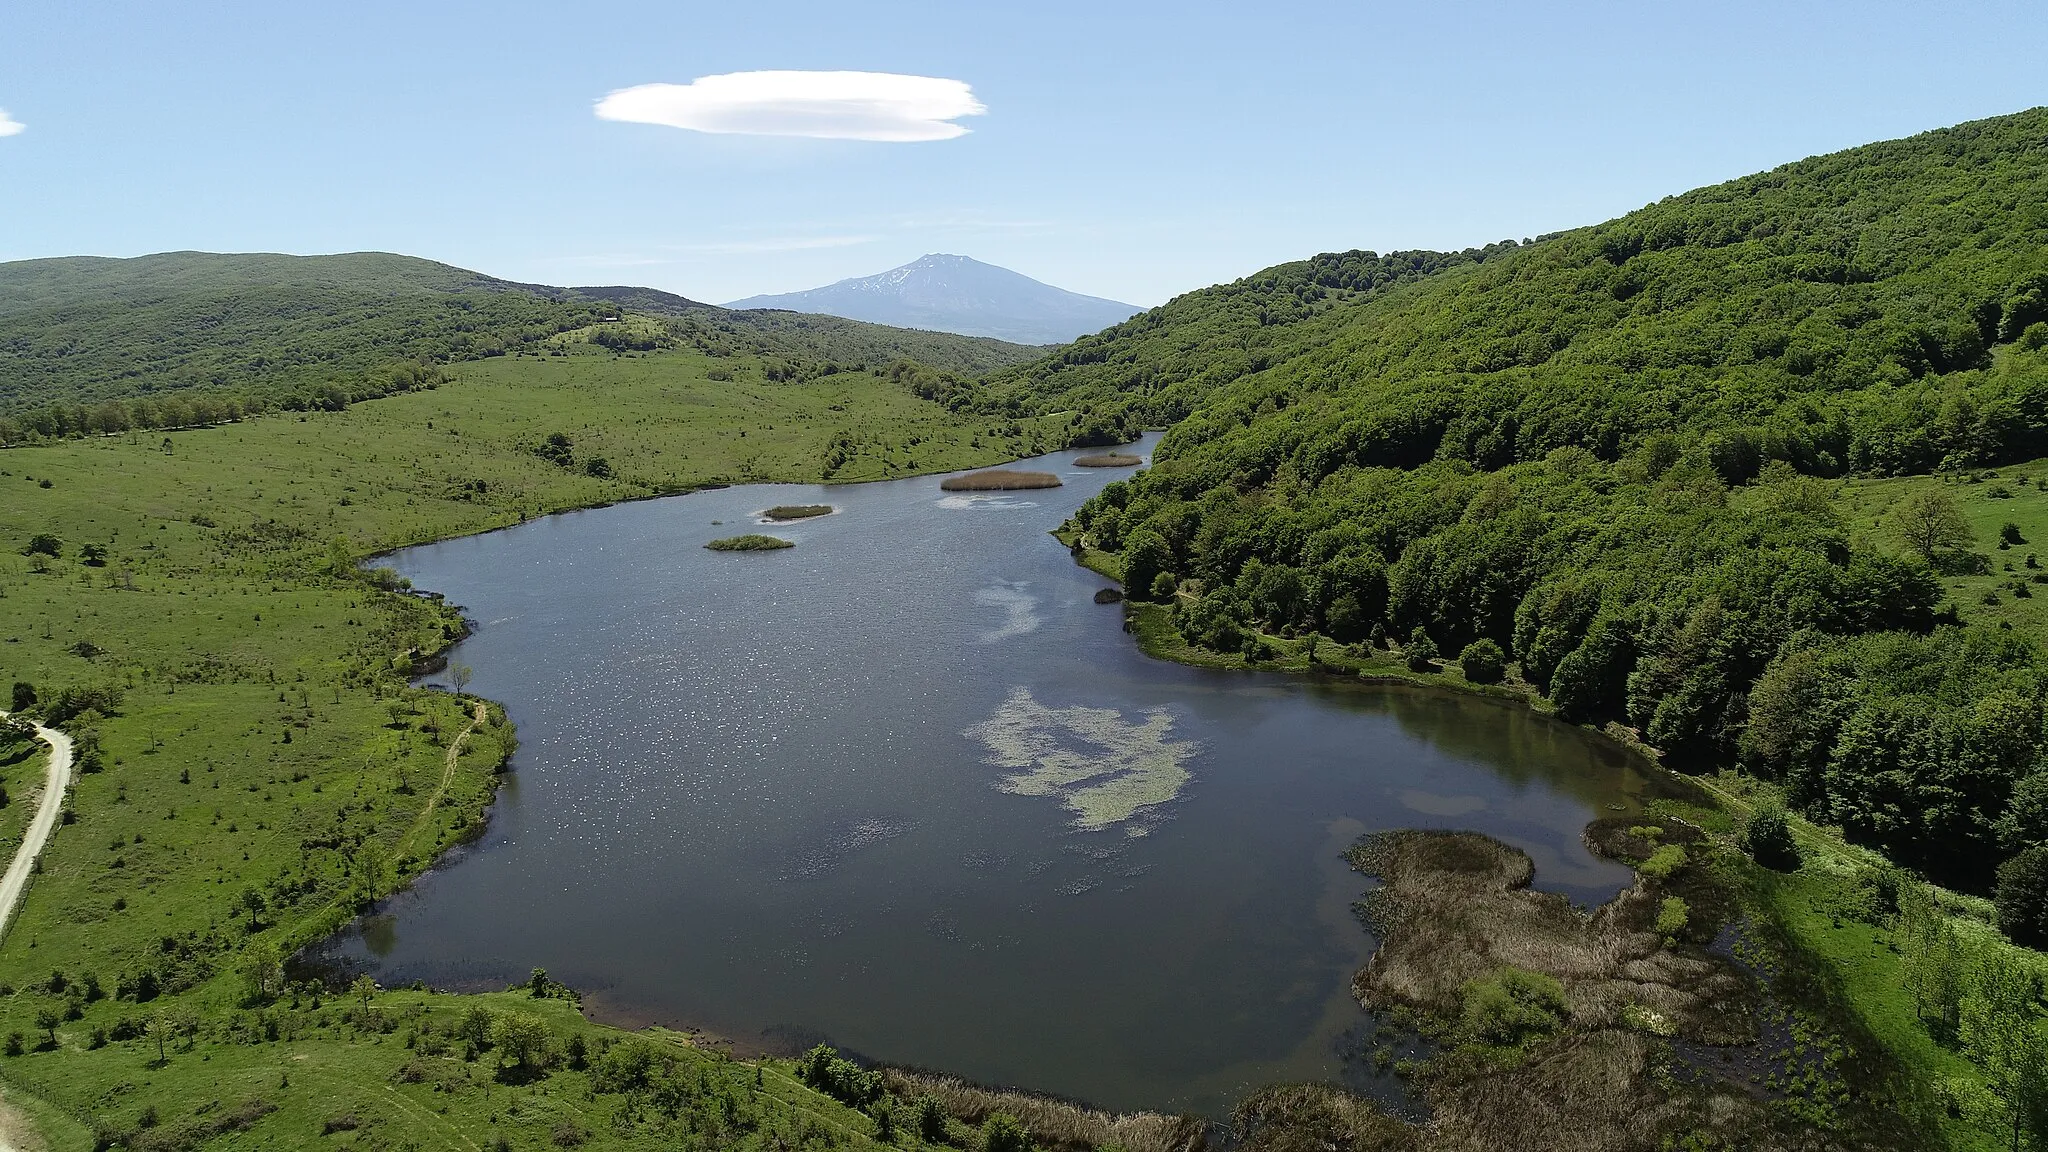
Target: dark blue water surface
{"x":906,"y":787}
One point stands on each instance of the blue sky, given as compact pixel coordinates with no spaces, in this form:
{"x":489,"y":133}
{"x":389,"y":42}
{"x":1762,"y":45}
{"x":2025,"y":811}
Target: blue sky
{"x":1131,"y":150}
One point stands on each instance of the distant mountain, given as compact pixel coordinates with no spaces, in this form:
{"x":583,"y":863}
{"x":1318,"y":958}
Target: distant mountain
{"x":959,"y":295}
{"x":83,"y":329}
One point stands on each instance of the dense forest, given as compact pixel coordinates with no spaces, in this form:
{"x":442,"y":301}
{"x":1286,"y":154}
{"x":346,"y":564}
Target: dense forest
{"x":91,"y":345}
{"x":1612,"y":453}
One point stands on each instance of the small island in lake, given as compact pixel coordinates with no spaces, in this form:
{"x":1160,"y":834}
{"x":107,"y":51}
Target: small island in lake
{"x":751,"y":542}
{"x":1108,"y":460}
{"x":796,"y":511}
{"x":999,"y":480}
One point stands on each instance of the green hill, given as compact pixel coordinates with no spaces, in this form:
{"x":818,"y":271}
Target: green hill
{"x":1614,"y":452}
{"x":192,"y":337}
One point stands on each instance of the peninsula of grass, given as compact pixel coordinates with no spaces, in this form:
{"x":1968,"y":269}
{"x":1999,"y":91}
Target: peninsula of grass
{"x":999,"y":480}
{"x":1108,"y":460}
{"x":751,"y":542}
{"x":796,"y":511}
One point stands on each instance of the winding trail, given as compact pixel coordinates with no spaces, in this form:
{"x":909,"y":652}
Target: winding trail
{"x":55,"y":782}
{"x":447,"y":778}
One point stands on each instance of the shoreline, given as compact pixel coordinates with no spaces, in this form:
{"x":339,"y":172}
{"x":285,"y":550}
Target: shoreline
{"x":1143,"y":622}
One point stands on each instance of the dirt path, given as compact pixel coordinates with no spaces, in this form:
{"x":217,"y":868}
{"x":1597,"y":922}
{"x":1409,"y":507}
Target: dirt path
{"x":55,"y":781}
{"x":447,"y":778}
{"x":16,"y":1133}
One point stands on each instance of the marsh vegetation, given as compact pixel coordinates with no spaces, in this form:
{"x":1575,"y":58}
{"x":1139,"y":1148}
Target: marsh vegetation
{"x":796,"y":511}
{"x":1567,"y":1029}
{"x":751,"y":542}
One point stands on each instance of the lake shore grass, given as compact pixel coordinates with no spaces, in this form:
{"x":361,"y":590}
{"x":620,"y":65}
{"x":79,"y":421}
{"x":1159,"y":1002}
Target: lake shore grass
{"x":1055,"y":1125}
{"x":1000,"y":480}
{"x":1108,"y":460}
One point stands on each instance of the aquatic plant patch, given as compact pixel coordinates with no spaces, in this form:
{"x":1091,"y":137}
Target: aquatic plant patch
{"x":1105,"y":769}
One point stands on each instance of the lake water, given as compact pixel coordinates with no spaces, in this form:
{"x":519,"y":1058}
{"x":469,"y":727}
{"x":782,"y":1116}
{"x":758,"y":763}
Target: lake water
{"x":905,"y":787}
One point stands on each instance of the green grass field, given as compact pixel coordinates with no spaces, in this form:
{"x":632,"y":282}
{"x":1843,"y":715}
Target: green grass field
{"x":265,"y":764}
{"x":1821,"y":910}
{"x":397,"y":1072}
{"x":21,"y":774}
{"x":1989,"y":500}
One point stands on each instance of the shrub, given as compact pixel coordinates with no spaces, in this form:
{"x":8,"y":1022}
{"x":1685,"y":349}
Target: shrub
{"x":1672,"y":916}
{"x":928,"y":1116}
{"x":624,"y":1067}
{"x":885,"y":1120}
{"x":2022,"y":897}
{"x":1421,"y":651}
{"x":1002,"y":1133}
{"x":1164,"y":586}
{"x":1483,"y":662}
{"x":1767,"y":837}
{"x":78,"y":699}
{"x":1512,"y":1006}
{"x":1665,"y":861}
{"x":840,"y":1078}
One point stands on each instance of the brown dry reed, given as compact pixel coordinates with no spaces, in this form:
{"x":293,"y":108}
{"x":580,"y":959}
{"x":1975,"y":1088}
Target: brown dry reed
{"x":999,"y":480}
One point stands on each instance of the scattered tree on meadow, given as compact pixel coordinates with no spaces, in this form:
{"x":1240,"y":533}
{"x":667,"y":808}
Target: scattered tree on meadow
{"x":523,"y":1040}
{"x":2002,"y":1034}
{"x":1932,"y":957}
{"x":1931,"y":524}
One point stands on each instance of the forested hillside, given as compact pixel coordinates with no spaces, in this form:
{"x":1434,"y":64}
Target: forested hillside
{"x":188,"y":338}
{"x":1615,"y":454}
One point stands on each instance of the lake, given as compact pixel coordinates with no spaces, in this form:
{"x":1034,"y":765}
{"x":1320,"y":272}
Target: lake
{"x":908,"y":789}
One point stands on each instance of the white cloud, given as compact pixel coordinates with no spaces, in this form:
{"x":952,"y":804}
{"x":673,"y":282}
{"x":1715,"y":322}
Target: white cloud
{"x":9,"y":126}
{"x":825,"y":105}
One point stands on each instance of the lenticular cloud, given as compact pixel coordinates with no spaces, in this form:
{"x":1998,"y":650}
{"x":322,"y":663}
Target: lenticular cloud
{"x":825,"y":105}
{"x":9,"y":126}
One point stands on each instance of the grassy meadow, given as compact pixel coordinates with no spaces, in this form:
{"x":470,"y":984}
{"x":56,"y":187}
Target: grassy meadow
{"x":2008,"y":591}
{"x":255,"y":763}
